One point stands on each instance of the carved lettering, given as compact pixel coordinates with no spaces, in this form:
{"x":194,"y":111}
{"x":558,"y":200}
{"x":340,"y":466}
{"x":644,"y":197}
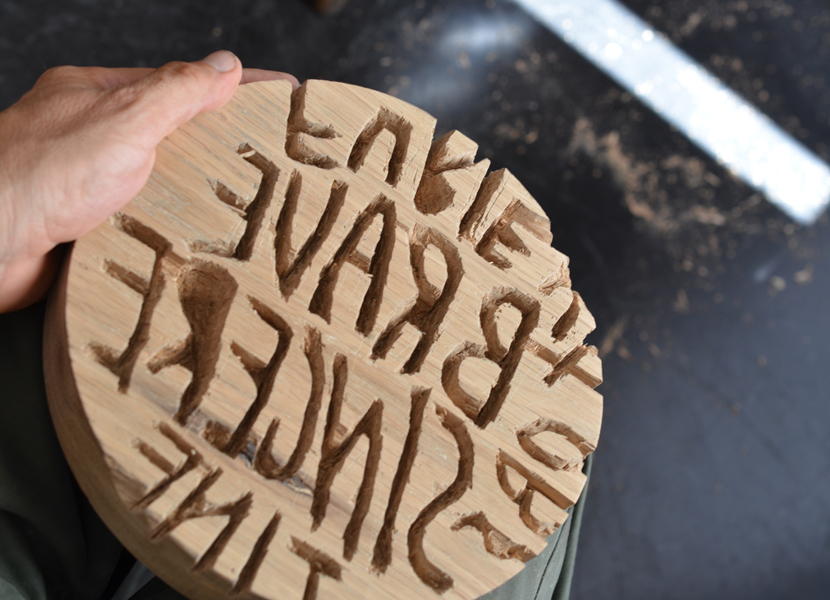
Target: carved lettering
{"x":484,"y":413}
{"x":450,"y":156}
{"x":400,"y":128}
{"x":193,"y":460}
{"x":524,"y":497}
{"x":196,"y":506}
{"x":568,"y":319}
{"x":299,"y":128}
{"x":382,"y":556}
{"x":253,"y":214}
{"x":430,"y":307}
{"x":569,"y":365}
{"x":377,"y":268}
{"x":264,"y":462}
{"x":333,"y":456}
{"x":206,"y":292}
{"x":526,"y":434}
{"x":122,"y":364}
{"x":319,"y":563}
{"x":501,"y":202}
{"x":426,"y":570}
{"x":257,"y":556}
{"x":502,"y":231}
{"x":290,"y":272}
{"x":359,"y":185}
{"x":495,"y":542}
{"x":263,"y":375}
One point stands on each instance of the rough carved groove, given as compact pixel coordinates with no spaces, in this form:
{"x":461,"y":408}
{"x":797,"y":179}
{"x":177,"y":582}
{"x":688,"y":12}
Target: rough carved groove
{"x":264,"y":462}
{"x":206,"y":292}
{"x":253,"y":214}
{"x":495,"y":542}
{"x":525,"y":436}
{"x":426,"y":570}
{"x":484,"y":413}
{"x":382,"y":556}
{"x":122,"y":365}
{"x":399,"y":127}
{"x":290,"y":272}
{"x":257,"y":556}
{"x":196,"y":506}
{"x":377,"y":268}
{"x":333,"y":456}
{"x":263,"y":375}
{"x":299,"y":127}
{"x":193,"y":460}
{"x":524,"y":497}
{"x":319,"y":563}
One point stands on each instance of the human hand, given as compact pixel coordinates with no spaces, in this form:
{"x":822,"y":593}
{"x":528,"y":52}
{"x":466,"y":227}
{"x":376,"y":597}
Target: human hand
{"x":81,"y":144}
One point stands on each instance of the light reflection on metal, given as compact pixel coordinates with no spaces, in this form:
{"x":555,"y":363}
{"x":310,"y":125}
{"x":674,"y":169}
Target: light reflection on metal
{"x":682,"y":92}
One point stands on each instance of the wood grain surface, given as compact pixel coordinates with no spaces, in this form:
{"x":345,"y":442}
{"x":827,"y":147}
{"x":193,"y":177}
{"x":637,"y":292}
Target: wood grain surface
{"x":322,"y":355}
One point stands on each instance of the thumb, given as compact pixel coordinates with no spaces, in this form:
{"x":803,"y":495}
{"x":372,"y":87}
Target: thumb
{"x":158,"y":103}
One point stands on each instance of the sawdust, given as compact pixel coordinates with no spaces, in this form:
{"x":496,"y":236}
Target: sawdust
{"x":644,"y":184}
{"x":614,"y":335}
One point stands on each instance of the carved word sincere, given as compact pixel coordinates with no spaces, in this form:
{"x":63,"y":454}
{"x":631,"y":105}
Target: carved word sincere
{"x":206,"y":291}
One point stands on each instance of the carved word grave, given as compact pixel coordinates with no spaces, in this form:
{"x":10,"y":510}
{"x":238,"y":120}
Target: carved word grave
{"x":324,"y":355}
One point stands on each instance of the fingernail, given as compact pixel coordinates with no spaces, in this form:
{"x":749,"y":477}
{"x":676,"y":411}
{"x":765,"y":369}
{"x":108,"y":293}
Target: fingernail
{"x":223,"y":61}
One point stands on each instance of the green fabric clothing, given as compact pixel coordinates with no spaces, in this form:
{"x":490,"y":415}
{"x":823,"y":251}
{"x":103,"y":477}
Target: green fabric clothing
{"x":54,"y":547}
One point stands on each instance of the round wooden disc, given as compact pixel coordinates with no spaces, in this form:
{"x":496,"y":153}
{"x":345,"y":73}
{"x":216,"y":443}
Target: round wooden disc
{"x":323,"y":354}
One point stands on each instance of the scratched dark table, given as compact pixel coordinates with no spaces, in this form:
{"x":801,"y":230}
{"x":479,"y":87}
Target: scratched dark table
{"x":712,"y":479}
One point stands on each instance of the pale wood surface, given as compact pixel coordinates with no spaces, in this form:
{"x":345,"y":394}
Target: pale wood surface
{"x":322,"y":355}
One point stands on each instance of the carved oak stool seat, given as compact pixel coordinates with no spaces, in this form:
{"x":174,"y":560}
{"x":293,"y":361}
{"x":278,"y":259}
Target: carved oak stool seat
{"x":324,"y":355}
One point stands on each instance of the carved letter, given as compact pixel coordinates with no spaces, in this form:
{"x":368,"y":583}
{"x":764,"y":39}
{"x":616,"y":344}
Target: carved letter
{"x":507,"y":359}
{"x":194,"y":459}
{"x":502,"y":195}
{"x":400,"y":128}
{"x":196,"y":506}
{"x":122,"y":365}
{"x":382,"y":556}
{"x":206,"y":292}
{"x":423,"y":567}
{"x":501,"y":230}
{"x":450,"y":171}
{"x":319,"y":563}
{"x":495,"y":542}
{"x":431,"y":305}
{"x":263,"y":376}
{"x":526,"y":434}
{"x":290,"y":272}
{"x":524,"y":497}
{"x":264,"y":462}
{"x":377,"y":269}
{"x":253,"y":214}
{"x":333,"y":455}
{"x":258,"y":554}
{"x":299,"y":127}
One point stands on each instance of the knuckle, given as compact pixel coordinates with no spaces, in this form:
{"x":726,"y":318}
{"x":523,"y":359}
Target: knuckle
{"x":183,"y":71}
{"x":56,"y":74}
